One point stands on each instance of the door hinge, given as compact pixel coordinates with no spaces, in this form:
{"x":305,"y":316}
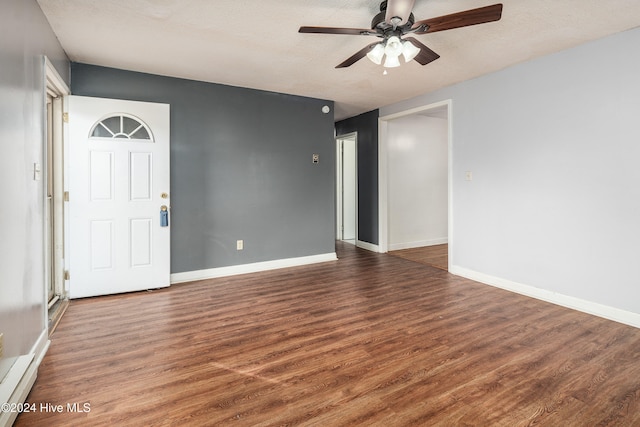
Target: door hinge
{"x":67,"y":275}
{"x":65,"y":117}
{"x":66,"y":196}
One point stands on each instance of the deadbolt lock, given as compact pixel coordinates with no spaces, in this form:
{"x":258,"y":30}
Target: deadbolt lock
{"x":164,"y":195}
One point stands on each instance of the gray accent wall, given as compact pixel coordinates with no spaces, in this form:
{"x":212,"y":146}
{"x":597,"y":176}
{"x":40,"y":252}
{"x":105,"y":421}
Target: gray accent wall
{"x":241,"y":167}
{"x":25,"y":36}
{"x":366,"y":125}
{"x":554,"y":147}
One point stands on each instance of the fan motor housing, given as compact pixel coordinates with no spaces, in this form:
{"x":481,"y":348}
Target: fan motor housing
{"x":378,"y":22}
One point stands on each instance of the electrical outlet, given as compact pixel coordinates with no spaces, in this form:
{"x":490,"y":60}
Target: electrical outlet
{"x":1,"y":346}
{"x":240,"y":245}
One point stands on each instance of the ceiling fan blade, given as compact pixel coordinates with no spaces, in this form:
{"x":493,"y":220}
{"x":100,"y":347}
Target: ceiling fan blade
{"x":460,"y":19}
{"x":337,"y":30}
{"x":398,"y":9}
{"x":426,"y":55}
{"x":356,"y":56}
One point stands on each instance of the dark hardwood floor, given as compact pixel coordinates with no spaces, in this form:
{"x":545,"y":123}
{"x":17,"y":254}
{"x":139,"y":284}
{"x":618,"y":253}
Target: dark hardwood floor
{"x":371,"y":340}
{"x":435,"y":256}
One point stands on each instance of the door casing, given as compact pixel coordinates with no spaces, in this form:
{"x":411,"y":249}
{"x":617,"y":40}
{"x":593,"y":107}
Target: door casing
{"x":383,"y":176}
{"x":55,"y":221}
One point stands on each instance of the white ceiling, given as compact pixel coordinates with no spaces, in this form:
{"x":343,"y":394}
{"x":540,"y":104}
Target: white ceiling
{"x":256,"y":44}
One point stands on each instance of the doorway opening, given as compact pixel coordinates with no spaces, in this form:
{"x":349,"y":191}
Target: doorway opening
{"x":347,"y":188}
{"x":56,"y":295}
{"x":415,"y":184}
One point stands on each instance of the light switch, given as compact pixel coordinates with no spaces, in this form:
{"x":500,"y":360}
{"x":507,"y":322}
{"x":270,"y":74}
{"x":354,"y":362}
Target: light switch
{"x":37,"y":170}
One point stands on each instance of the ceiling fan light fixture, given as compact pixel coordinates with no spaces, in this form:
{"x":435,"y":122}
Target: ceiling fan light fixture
{"x":376,"y":54}
{"x":395,"y":21}
{"x":391,"y":62}
{"x":393,"y":47}
{"x":409,"y":50}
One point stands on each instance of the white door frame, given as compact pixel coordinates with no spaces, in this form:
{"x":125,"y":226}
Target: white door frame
{"x":339,"y":184}
{"x":383,"y":173}
{"x":58,"y":89}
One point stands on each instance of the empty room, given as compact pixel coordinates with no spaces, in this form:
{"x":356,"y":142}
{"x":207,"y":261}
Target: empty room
{"x":337,"y":213}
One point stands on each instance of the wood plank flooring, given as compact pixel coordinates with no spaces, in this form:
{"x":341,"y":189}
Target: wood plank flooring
{"x":435,"y":256}
{"x":371,"y":340}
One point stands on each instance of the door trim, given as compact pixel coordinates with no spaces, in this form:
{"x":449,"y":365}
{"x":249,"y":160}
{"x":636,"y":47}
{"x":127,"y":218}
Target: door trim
{"x":383,"y":173}
{"x":56,"y":88}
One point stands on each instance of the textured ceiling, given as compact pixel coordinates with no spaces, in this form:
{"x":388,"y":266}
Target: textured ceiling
{"x":256,"y":44}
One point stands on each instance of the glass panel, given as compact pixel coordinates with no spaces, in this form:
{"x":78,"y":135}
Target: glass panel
{"x":113,"y":124}
{"x":141,"y":134}
{"x":121,"y":127}
{"x":101,"y":132}
{"x":129,"y":125}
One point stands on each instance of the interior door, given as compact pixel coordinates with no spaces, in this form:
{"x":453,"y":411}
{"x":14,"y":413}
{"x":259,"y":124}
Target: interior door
{"x":349,"y":183}
{"x":119,"y":237}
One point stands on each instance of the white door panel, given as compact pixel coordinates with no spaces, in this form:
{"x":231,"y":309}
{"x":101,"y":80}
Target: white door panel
{"x":116,"y":182}
{"x":349,"y":182}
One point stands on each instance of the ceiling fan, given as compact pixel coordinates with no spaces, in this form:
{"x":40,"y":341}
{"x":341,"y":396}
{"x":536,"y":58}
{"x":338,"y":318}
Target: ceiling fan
{"x":396,"y":20}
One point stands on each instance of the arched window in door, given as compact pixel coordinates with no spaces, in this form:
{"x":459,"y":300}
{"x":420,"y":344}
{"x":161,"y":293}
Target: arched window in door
{"x":122,"y":126}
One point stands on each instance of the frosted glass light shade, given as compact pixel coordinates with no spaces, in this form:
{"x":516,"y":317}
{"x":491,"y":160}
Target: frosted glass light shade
{"x":393,"y":47}
{"x":409,"y":51}
{"x":376,"y":54}
{"x":392,"y":62}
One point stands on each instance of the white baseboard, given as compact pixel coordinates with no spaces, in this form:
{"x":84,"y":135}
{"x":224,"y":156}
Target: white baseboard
{"x":418,"y":244}
{"x":212,"y":273}
{"x":368,"y":246}
{"x":596,"y":309}
{"x":16,"y":385}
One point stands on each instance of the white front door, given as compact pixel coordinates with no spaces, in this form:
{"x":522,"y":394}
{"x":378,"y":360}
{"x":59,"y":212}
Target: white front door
{"x":118,"y":179}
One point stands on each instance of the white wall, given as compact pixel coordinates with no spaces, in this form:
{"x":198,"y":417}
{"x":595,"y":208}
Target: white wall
{"x":25,"y":36}
{"x":554,"y":147}
{"x":417,"y":185}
